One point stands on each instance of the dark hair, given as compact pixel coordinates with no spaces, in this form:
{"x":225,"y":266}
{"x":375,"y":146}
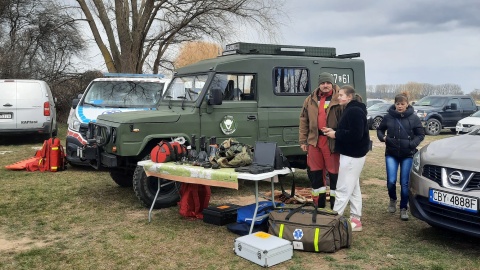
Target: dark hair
{"x":403,"y":96}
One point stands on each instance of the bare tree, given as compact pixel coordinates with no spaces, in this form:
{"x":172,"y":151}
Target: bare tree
{"x":37,"y":41}
{"x":193,"y":52}
{"x":139,"y":33}
{"x":476,"y":94}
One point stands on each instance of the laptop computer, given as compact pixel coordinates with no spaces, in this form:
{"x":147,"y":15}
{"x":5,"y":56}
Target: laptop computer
{"x":263,"y":158}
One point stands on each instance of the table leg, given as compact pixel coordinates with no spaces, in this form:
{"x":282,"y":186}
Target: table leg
{"x":154,"y":200}
{"x":256,"y":207}
{"x":273,"y":191}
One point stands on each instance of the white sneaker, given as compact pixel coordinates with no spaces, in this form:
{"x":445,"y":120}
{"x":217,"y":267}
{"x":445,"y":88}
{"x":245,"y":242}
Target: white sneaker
{"x":356,"y":224}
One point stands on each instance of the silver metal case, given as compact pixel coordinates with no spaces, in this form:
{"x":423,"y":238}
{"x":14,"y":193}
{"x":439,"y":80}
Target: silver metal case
{"x":263,"y":249}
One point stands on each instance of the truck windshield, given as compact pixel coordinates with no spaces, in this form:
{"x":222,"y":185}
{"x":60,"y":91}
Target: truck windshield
{"x":431,"y":101}
{"x":186,"y":88}
{"x":123,"y":94}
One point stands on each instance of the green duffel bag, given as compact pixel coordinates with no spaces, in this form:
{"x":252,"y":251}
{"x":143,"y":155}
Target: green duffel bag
{"x":311,"y":229}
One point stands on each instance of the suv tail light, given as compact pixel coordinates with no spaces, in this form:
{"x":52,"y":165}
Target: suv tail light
{"x":46,"y":108}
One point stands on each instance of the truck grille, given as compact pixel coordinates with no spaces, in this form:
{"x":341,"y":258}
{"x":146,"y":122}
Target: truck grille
{"x":434,"y":173}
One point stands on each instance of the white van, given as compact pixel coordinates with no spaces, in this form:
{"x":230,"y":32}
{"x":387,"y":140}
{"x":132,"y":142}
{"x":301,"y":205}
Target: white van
{"x":27,"y":107}
{"x":114,"y":93}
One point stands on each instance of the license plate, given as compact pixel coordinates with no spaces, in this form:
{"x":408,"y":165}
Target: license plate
{"x":465,"y":203}
{"x":6,"y":116}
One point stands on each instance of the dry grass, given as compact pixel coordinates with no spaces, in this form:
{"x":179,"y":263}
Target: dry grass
{"x":80,"y":219}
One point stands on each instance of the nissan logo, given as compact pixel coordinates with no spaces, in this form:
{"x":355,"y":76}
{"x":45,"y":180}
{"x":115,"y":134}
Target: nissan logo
{"x":455,"y":177}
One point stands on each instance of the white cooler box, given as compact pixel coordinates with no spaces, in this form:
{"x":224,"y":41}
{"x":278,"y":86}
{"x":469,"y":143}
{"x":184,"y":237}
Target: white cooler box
{"x":263,"y":249}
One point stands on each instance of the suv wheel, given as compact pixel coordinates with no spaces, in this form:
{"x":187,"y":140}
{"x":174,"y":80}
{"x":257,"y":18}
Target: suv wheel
{"x":376,"y":122}
{"x":433,"y":127}
{"x":122,"y":178}
{"x":146,"y":187}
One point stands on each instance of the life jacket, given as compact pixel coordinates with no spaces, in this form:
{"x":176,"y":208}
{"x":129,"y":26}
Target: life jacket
{"x":193,"y":199}
{"x":50,"y":158}
{"x":168,"y":151}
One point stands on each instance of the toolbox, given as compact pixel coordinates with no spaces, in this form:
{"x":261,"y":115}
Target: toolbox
{"x":220,"y":214}
{"x":263,"y":249}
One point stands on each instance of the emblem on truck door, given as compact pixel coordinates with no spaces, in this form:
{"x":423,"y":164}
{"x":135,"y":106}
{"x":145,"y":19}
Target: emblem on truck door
{"x":228,"y":125}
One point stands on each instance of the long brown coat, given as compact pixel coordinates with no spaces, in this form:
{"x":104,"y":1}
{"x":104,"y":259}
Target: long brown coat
{"x":308,"y":128}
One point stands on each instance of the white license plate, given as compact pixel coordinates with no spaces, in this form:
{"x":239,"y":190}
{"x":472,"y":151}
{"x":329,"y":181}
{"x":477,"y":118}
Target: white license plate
{"x":6,"y":116}
{"x":465,"y":203}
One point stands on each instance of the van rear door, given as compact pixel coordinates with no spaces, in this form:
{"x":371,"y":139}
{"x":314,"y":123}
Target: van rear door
{"x":30,"y":105}
{"x":8,"y":104}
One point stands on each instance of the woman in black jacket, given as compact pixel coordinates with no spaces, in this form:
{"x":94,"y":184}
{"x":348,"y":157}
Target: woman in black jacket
{"x":352,"y":141}
{"x":404,"y":132}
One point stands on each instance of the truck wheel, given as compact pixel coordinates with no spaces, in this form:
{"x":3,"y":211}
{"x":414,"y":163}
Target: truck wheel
{"x":146,"y":187}
{"x":122,"y":178}
{"x":376,"y":122}
{"x":433,"y":127}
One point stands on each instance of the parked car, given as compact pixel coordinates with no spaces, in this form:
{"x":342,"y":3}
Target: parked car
{"x":373,"y":101}
{"x":27,"y":107}
{"x":465,"y":125}
{"x":439,"y":112}
{"x":376,"y":113}
{"x":445,"y":183}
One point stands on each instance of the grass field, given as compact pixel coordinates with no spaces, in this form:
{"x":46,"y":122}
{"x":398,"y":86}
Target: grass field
{"x":80,"y":219}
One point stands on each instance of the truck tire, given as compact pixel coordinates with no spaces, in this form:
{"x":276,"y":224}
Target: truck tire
{"x":433,"y":127}
{"x":146,"y":187}
{"x":122,"y":178}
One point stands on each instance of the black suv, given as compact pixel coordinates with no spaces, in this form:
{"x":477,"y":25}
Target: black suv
{"x":443,"y":111}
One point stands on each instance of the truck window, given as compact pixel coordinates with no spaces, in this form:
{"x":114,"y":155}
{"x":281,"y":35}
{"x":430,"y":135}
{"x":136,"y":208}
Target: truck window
{"x":235,"y":87}
{"x":186,"y":88}
{"x":291,"y":80}
{"x":467,"y":103}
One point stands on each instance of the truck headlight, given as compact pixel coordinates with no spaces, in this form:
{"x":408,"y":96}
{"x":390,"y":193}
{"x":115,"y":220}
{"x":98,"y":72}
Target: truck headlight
{"x":421,"y":114}
{"x":416,"y":162}
{"x":73,"y":122}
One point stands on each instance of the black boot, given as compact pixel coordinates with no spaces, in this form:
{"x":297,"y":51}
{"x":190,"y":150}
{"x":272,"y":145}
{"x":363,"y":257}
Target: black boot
{"x":322,"y":200}
{"x":333,"y":187}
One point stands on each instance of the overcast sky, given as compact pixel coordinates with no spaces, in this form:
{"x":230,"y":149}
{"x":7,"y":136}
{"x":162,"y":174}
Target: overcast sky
{"x":401,"y":41}
{"x":427,"y":41}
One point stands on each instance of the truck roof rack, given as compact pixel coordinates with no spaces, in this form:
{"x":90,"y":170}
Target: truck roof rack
{"x":128,"y":75}
{"x":272,"y":49}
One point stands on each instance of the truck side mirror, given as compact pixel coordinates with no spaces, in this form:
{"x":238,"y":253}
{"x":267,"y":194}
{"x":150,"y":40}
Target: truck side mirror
{"x":453,"y":106}
{"x":75,"y":102}
{"x":413,"y":103}
{"x":216,"y":96}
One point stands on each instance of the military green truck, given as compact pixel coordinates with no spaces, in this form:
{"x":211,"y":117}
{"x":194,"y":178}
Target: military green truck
{"x":253,"y":92}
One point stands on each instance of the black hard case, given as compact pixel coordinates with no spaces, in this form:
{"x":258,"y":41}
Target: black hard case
{"x":220,"y":214}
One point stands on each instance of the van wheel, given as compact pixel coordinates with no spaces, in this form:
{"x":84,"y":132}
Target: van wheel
{"x":433,"y":127}
{"x":122,"y":178}
{"x":146,"y":187}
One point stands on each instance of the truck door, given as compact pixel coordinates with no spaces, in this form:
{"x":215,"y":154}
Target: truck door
{"x":237,"y":116}
{"x":450,"y":117}
{"x":468,"y":106}
{"x":8,"y":105}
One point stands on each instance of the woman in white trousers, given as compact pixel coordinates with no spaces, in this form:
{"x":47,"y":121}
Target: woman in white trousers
{"x":352,"y":141}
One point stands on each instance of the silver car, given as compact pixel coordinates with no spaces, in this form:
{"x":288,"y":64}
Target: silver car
{"x":445,"y":183}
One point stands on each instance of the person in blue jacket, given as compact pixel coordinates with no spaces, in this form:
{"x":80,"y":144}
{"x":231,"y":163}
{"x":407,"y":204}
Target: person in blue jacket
{"x":402,"y":132}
